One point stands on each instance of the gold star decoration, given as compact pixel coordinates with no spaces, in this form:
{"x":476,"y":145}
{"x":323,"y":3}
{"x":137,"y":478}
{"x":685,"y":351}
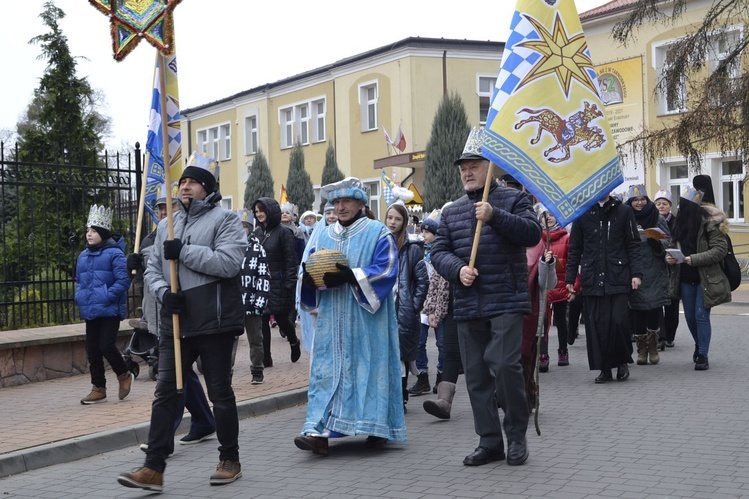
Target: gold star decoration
{"x":131,"y":20}
{"x":561,"y":55}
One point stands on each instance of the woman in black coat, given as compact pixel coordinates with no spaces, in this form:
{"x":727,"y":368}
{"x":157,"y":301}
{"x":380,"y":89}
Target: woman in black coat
{"x":280,"y":250}
{"x":412,"y":287}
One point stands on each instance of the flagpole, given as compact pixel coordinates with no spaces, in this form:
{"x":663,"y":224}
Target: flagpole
{"x":169,"y":217}
{"x":141,"y":208}
{"x":480,"y":223}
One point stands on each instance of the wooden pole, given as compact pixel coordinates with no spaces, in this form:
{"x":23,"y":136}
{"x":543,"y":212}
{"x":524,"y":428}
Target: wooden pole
{"x":141,"y":208}
{"x":170,"y":219}
{"x":480,"y":223}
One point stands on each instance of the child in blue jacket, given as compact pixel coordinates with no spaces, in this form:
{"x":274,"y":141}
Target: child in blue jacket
{"x":102,"y":283}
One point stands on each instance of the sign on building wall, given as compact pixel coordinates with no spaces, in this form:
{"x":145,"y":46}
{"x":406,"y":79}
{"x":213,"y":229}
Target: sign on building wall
{"x":620,"y":85}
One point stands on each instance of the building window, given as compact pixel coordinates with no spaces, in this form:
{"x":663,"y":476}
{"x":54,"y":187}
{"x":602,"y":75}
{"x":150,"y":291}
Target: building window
{"x":250,"y":135}
{"x":213,"y":142}
{"x":672,"y":99}
{"x":318,"y":121}
{"x":287,"y":127}
{"x":226,"y":141}
{"x":368,"y":101}
{"x":303,"y":124}
{"x":202,"y":140}
{"x":486,"y":86}
{"x":227,"y":202}
{"x":731,"y":188}
{"x":678,"y":178}
{"x":721,"y":46}
{"x":372,"y":188}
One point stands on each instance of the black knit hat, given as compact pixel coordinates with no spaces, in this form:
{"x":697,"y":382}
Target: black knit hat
{"x":705,"y":184}
{"x":103,"y":233}
{"x":201,"y":176}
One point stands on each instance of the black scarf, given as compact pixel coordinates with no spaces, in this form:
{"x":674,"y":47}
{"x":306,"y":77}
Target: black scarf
{"x":647,"y":217}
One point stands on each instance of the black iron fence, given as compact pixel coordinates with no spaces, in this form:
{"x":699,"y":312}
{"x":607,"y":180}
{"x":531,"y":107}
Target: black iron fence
{"x":43,"y":212}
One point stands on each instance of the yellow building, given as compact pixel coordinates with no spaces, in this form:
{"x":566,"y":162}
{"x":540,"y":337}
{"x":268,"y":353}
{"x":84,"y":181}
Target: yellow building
{"x":628,"y":77}
{"x":350,"y":103}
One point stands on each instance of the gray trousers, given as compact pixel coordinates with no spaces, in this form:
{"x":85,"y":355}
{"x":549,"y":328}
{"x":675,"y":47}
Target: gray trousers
{"x":253,"y":326}
{"x":490,"y":351}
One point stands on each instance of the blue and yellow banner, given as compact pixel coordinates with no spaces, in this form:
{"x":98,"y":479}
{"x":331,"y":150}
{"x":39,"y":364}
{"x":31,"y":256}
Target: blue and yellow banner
{"x":546,"y":125}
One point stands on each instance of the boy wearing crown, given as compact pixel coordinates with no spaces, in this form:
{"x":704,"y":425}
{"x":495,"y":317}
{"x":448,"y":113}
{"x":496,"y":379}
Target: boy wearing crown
{"x":101,"y":290}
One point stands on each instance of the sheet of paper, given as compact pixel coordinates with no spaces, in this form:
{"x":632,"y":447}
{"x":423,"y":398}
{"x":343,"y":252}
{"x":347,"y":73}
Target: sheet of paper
{"x":676,"y":254}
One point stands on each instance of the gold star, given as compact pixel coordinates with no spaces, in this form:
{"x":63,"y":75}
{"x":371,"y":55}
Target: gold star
{"x":561,"y":55}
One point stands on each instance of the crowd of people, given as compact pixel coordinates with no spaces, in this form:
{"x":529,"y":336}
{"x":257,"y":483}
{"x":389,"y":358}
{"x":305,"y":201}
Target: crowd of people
{"x":366,"y":295}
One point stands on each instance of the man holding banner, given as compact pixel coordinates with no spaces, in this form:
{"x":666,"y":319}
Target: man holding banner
{"x":491,"y":298}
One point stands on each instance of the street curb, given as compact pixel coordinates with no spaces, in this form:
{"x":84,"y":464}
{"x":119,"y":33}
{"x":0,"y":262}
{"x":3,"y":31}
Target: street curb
{"x":72,"y":449}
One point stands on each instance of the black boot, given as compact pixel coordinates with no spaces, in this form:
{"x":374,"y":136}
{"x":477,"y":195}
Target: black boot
{"x":421,"y":386}
{"x":437,"y":381}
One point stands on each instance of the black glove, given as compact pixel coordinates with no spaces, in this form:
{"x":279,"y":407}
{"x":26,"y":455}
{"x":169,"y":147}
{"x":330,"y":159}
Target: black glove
{"x":335,"y":279}
{"x":172,"y":249}
{"x":174,"y":303}
{"x":307,"y":278}
{"x":134,"y":262}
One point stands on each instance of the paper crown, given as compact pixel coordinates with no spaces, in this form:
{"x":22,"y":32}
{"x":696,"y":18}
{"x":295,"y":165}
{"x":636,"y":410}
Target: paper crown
{"x":540,"y":209}
{"x":101,"y":217}
{"x":204,"y":162}
{"x":691,"y":194}
{"x":289,"y":208}
{"x":244,"y":216}
{"x":349,"y":187}
{"x":472,"y":149}
{"x":636,"y":191}
{"x":664,"y":194}
{"x":162,"y":193}
{"x":328,"y":207}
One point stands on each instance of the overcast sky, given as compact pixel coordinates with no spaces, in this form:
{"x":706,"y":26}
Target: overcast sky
{"x":226,"y":46}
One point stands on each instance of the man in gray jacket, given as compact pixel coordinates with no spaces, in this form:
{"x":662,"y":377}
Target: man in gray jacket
{"x":208,"y":245}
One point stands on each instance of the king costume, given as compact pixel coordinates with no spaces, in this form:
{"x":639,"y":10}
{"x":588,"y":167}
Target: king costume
{"x":355,"y":374}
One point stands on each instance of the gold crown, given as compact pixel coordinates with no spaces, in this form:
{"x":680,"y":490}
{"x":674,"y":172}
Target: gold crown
{"x":98,"y":216}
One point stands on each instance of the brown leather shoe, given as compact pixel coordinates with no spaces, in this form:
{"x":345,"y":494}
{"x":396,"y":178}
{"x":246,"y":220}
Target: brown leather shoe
{"x":126,"y":383}
{"x":143,"y":478}
{"x":226,"y":472}
{"x":318,"y":445}
{"x":98,"y":394}
{"x":373,"y":442}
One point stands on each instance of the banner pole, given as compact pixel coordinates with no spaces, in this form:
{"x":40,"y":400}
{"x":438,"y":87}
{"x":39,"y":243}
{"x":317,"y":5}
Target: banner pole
{"x":480,"y":223}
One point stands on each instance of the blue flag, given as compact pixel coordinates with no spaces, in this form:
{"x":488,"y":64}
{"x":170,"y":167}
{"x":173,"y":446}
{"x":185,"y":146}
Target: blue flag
{"x":546,"y":126}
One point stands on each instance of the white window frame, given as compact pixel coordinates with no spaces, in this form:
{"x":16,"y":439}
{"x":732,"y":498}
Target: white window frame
{"x":369,"y":106}
{"x":660,"y":52}
{"x":485,"y":98}
{"x":318,"y":120}
{"x":737,"y":190}
{"x":715,"y":56}
{"x":251,"y":134}
{"x":302,"y":123}
{"x":215,"y":141}
{"x":674,"y":185}
{"x":286,"y":121}
{"x":372,"y":185}
{"x":227,"y":202}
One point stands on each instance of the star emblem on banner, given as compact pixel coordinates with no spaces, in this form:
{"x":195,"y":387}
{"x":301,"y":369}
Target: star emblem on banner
{"x":561,"y":54}
{"x":131,"y":20}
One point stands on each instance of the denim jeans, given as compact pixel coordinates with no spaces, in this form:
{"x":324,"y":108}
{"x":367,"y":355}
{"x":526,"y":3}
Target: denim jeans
{"x":697,"y":316}
{"x":193,"y":397}
{"x":422,"y":361}
{"x":215,"y":355}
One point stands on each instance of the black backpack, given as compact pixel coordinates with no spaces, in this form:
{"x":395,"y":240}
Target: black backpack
{"x":731,"y":267}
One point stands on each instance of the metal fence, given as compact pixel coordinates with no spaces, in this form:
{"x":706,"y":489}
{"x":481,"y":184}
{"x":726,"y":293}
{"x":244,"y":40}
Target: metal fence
{"x":43,"y":212}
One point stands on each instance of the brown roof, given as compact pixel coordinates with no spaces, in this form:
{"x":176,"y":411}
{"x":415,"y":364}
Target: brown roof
{"x":607,"y":8}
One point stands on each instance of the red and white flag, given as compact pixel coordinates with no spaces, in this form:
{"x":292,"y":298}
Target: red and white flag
{"x":400,"y":140}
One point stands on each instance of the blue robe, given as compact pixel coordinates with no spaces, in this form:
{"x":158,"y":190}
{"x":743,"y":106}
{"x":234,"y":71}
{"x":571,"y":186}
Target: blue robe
{"x":355,"y":376}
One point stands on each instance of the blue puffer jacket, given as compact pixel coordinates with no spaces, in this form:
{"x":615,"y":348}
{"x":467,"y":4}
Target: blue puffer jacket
{"x":502,"y":284}
{"x":102,"y":280}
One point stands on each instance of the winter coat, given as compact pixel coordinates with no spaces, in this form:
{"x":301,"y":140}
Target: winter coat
{"x":502,"y":284}
{"x":280,"y":250}
{"x":712,"y":248}
{"x":207,"y":270}
{"x":605,"y":243}
{"x":413,"y":285}
{"x":654,"y":290}
{"x":560,"y":245}
{"x":102,"y":280}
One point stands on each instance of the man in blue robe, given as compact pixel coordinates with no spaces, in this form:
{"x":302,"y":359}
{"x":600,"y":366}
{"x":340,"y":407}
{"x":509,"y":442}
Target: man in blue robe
{"x":355,"y":375}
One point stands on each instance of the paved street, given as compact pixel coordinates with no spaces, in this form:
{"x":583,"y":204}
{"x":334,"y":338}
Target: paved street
{"x":669,"y":431}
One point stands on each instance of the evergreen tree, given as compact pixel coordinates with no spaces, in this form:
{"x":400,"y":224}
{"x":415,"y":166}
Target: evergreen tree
{"x":330,"y":172}
{"x":61,"y":125}
{"x":260,"y":182}
{"x":298,"y":184}
{"x":450,"y":130}
{"x":717,"y":107}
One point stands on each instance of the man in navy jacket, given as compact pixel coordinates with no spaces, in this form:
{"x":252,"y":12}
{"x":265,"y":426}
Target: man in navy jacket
{"x":490,"y":300}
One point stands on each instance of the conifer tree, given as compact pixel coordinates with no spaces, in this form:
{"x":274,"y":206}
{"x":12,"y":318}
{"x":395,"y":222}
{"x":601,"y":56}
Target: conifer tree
{"x":450,"y":130}
{"x":260,"y":182}
{"x":330,"y":172}
{"x":299,"y":184}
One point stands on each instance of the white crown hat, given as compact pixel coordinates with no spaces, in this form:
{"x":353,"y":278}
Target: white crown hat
{"x":691,"y":194}
{"x":472,"y":149}
{"x":101,"y":217}
{"x":162,"y":193}
{"x":664,"y":194}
